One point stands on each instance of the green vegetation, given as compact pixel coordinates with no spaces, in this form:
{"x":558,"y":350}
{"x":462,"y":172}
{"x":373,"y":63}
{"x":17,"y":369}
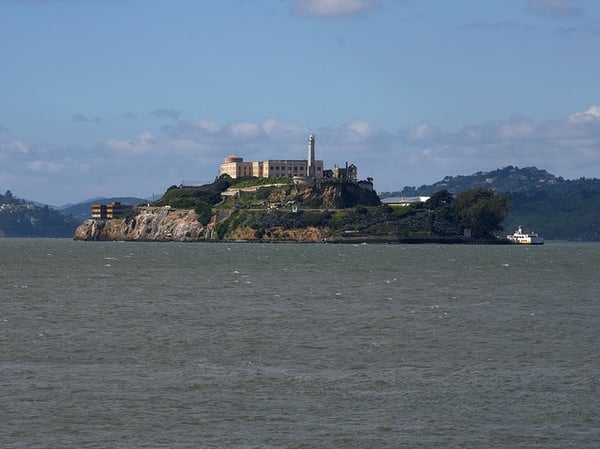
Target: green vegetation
{"x":555,"y":207}
{"x":201,"y":199}
{"x":190,"y":198}
{"x":570,"y":215}
{"x":204,"y":198}
{"x":338,"y":208}
{"x":442,"y":216}
{"x":481,"y":210}
{"x":251,"y":181}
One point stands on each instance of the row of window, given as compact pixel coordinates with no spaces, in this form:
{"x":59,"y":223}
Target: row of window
{"x":276,"y":168}
{"x":271,"y":168}
{"x":246,"y":170}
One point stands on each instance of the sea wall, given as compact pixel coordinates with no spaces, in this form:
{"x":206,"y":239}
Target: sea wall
{"x":152,"y":224}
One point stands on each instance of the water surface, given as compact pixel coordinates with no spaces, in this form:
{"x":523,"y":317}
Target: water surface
{"x":167,"y":345}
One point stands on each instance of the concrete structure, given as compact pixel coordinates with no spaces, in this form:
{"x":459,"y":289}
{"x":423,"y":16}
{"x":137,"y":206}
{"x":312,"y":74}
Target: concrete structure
{"x":404,"y":200}
{"x":235,"y":166}
{"x":304,"y":171}
{"x":112,"y":210}
{"x":350,"y":172}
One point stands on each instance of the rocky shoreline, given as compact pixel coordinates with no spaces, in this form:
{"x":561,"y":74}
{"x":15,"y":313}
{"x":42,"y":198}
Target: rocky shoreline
{"x":164,"y":224}
{"x":153,"y":224}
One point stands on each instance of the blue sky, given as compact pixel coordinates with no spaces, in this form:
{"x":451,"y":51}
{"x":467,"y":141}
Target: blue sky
{"x":128,"y":97}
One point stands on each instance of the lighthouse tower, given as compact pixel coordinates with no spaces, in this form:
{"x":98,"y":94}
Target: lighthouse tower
{"x":310,"y":167}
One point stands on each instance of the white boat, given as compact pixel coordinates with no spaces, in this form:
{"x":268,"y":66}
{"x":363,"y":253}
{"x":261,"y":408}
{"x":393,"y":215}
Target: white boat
{"x":525,"y":238}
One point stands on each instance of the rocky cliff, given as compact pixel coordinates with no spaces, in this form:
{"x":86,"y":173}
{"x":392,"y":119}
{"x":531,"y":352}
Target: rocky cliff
{"x":327,"y":211}
{"x":162,"y":224}
{"x":153,"y":224}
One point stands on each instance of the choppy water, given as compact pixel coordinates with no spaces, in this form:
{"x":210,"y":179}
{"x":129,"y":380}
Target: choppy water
{"x":129,"y":345}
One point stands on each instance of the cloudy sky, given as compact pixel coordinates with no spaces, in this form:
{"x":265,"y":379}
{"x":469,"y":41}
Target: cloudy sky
{"x":128,"y":97}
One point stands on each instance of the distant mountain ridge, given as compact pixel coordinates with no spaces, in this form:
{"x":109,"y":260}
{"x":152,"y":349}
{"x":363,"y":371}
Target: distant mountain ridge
{"x":509,"y":179}
{"x":20,"y":218}
{"x":25,"y":218}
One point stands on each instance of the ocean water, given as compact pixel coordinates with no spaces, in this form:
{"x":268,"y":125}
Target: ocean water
{"x":168,"y":345}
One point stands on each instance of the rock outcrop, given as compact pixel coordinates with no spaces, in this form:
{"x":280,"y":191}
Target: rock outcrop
{"x":153,"y":224}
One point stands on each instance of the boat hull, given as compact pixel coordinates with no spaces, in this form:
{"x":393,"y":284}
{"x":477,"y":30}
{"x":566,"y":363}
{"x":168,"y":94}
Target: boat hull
{"x":523,"y":238}
{"x":537,"y":242}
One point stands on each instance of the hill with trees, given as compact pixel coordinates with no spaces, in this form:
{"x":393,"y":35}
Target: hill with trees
{"x":557,"y":208}
{"x":20,"y":218}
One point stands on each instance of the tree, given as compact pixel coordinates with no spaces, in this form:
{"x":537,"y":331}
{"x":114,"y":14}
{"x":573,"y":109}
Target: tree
{"x":439,"y":199}
{"x":9,"y":198}
{"x":481,"y":210}
{"x":441,"y":217}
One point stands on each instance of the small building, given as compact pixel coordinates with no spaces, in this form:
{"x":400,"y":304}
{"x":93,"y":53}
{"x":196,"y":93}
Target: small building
{"x":404,"y":200}
{"x":350,"y":172}
{"x":112,"y":210}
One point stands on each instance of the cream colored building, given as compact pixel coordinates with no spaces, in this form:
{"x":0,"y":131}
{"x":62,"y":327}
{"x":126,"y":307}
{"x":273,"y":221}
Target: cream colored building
{"x":235,"y":167}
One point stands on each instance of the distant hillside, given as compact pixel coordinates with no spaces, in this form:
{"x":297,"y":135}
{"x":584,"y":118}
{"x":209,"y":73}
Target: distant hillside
{"x":82,"y":211}
{"x":504,"y":180}
{"x":556,"y":208}
{"x":20,"y":218}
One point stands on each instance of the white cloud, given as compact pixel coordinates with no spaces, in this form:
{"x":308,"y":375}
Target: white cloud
{"x":14,"y":146}
{"x":413,"y":155}
{"x":592,"y":114}
{"x":360,"y":129}
{"x":333,"y":8}
{"x":516,"y":129}
{"x":423,"y":132}
{"x":568,"y":147}
{"x":236,"y":136}
{"x":245,"y":130}
{"x":208,"y":126}
{"x":283,"y":132}
{"x":141,"y":144}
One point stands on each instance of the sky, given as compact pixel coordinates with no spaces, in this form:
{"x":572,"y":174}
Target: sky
{"x":102,"y":98}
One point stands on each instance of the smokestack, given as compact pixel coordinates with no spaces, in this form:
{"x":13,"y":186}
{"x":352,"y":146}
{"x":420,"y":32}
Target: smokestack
{"x":310,"y":168}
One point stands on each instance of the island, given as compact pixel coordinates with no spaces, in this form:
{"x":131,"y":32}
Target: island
{"x":252,"y":209}
{"x":297,"y":200}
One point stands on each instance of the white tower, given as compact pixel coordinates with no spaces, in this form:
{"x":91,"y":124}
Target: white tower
{"x":310,"y":167}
